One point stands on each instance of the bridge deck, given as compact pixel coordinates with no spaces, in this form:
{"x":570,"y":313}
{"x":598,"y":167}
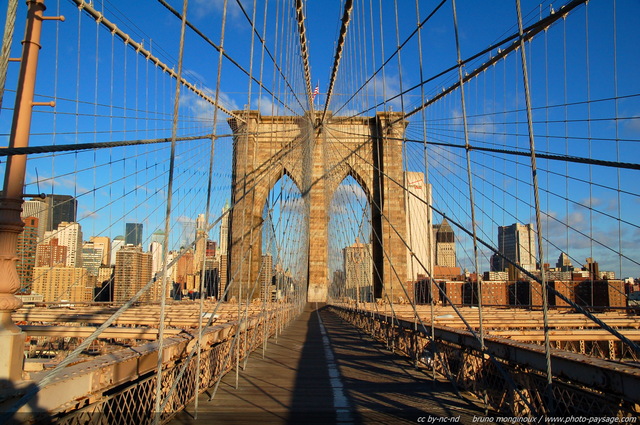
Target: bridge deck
{"x":352,"y":379}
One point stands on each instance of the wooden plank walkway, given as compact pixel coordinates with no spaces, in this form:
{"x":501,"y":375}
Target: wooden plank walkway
{"x":323,"y":370}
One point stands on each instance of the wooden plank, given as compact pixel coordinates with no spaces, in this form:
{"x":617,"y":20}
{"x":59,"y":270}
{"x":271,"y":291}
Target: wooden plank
{"x":292,"y":383}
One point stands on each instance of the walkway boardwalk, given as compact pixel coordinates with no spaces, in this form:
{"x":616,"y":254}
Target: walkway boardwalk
{"x":323,"y":370}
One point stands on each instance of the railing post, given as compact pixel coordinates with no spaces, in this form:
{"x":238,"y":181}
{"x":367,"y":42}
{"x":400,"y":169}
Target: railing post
{"x":11,"y":336}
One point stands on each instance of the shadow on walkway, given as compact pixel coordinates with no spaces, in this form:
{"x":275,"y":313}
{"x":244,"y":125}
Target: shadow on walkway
{"x":301,"y":380}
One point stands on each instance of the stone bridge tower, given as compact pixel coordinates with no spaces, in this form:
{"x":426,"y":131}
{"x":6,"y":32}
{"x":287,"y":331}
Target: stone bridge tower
{"x":317,"y":158}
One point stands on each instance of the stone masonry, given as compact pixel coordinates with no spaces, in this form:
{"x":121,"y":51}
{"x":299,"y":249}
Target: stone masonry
{"x":317,"y":157}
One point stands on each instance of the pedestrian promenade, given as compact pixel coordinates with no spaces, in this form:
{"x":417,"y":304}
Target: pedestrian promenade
{"x":323,"y":370}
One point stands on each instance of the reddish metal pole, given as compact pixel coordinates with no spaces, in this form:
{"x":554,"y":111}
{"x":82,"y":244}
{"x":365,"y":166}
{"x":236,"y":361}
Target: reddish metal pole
{"x":11,"y":337}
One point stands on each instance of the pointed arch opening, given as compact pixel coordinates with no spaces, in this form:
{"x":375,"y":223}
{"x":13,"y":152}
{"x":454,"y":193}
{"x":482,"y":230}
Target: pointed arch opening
{"x":284,"y":246}
{"x":350,"y":242}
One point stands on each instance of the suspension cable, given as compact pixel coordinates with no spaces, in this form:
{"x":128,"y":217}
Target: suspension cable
{"x":208,"y":204}
{"x":167,"y":221}
{"x":472,"y":204}
{"x":536,"y":196}
{"x":305,"y":53}
{"x":346,"y":17}
{"x":139,"y":48}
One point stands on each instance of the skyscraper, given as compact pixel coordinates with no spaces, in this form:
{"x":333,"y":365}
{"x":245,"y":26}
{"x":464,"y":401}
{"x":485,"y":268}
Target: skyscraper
{"x":201,"y":244}
{"x":62,"y":283}
{"x":445,"y":244}
{"x":27,"y":244}
{"x":69,"y":235}
{"x":158,"y":236}
{"x":266,"y":277}
{"x":358,"y":268}
{"x":60,"y":208}
{"x":133,"y":234}
{"x":39,"y":209}
{"x":105,"y":243}
{"x":92,"y":255}
{"x":419,"y":218}
{"x":185,"y":267}
{"x":116,"y":245}
{"x":224,"y":230}
{"x":155,"y":249}
{"x":51,"y":254}
{"x":517,"y":243}
{"x":564,"y":262}
{"x":223,"y":251}
{"x":133,"y":271}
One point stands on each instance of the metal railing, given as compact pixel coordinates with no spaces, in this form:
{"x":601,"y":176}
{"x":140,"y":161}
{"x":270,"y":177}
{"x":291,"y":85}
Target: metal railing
{"x":582,"y":385}
{"x":119,"y":387}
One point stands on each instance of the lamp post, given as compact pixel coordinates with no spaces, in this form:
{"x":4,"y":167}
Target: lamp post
{"x":11,"y":336}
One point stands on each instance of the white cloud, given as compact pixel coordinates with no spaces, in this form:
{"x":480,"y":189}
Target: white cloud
{"x":266,"y":106}
{"x":633,"y":124}
{"x":385,"y":88}
{"x":591,"y":202}
{"x":202,"y":109}
{"x":347,"y":198}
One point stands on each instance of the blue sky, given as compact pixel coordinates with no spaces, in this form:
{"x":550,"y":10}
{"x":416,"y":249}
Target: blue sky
{"x":133,"y":100}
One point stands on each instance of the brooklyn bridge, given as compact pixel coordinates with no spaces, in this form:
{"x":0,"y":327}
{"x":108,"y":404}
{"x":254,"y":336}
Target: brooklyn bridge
{"x":350,"y":211}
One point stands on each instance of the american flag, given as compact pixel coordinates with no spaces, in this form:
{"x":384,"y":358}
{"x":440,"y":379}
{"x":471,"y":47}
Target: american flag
{"x":315,"y":92}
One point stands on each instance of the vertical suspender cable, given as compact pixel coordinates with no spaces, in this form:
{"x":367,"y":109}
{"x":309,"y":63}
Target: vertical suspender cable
{"x":251,"y":259}
{"x":592,"y":276}
{"x":373,"y":65}
{"x":534,"y":173}
{"x":399,"y":50}
{"x":469,"y":174}
{"x":566,"y":126}
{"x":364,"y":50}
{"x":403,"y":147}
{"x":272,"y":149}
{"x":77,"y":113}
{"x":430,"y":261}
{"x":373,"y":49}
{"x":546,"y":102}
{"x":95,"y":121}
{"x":381,"y":130}
{"x":208,"y":206}
{"x":346,"y":17}
{"x":264,"y":47}
{"x":469,"y":178}
{"x":167,"y":220}
{"x":617,"y":124}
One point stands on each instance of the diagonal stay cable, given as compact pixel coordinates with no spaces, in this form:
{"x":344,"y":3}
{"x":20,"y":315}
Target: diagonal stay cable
{"x":52,"y":375}
{"x":392,"y":56}
{"x":557,"y":157}
{"x":167,"y":220}
{"x":266,"y":49}
{"x":480,"y":339}
{"x":139,"y":48}
{"x":528,"y":33}
{"x":579,"y":308}
{"x":229,"y":58}
{"x":99,"y":145}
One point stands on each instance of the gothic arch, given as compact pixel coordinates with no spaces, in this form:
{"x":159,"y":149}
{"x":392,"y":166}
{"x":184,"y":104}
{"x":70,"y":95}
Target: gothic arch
{"x":317,"y":156}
